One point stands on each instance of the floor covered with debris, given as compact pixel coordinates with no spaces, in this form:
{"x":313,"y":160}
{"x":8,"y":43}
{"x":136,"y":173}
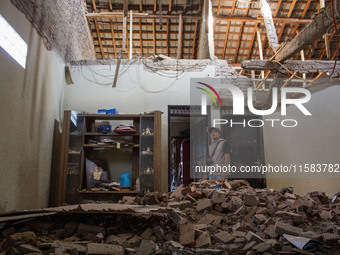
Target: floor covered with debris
{"x":209,"y":217}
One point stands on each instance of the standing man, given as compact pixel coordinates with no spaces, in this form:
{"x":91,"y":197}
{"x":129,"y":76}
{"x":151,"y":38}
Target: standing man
{"x":219,"y":153}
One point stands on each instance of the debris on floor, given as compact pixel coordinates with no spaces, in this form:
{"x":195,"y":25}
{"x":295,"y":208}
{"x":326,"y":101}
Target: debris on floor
{"x":208,"y":217}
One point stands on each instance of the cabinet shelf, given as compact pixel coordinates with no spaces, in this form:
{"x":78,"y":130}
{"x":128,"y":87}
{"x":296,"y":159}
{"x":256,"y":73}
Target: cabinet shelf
{"x":109,"y":146}
{"x":80,"y":146}
{"x":110,"y":134}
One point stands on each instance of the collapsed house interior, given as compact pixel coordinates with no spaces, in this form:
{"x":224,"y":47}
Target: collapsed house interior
{"x":141,"y":59}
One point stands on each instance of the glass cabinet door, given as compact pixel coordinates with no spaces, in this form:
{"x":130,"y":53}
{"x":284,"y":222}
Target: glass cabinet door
{"x":74,"y":157}
{"x":146,"y":165}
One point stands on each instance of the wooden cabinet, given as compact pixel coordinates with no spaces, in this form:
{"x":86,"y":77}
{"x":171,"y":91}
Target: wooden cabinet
{"x":135,"y":153}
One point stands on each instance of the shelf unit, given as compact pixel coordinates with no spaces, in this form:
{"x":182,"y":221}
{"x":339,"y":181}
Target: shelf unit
{"x":143,"y":150}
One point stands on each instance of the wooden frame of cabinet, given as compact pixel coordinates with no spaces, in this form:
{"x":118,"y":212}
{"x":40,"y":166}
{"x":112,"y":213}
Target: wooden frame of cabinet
{"x":89,"y":131}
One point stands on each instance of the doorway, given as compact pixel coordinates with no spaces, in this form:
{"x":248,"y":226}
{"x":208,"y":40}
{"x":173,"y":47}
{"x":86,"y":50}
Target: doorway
{"x":246,"y":144}
{"x":180,"y":149}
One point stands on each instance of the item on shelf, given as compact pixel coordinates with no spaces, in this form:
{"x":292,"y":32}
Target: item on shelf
{"x":104,"y":128}
{"x":148,"y":151}
{"x":125,"y":128}
{"x":147,"y":131}
{"x":126,"y":180}
{"x":148,"y":171}
{"x":112,"y":111}
{"x":96,"y":172}
{"x":102,"y":111}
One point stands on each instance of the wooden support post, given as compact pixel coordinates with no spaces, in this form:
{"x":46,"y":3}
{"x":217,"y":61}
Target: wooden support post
{"x":154,"y":37}
{"x":260,"y":49}
{"x":117,"y":69}
{"x":194,"y":41}
{"x":160,"y":14}
{"x":124,"y":33}
{"x":179,"y":47}
{"x":167,"y":36}
{"x":140,"y":38}
{"x":131,"y":39}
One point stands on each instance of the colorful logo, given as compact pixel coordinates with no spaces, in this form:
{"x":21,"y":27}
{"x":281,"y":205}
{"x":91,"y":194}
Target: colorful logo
{"x":209,"y":93}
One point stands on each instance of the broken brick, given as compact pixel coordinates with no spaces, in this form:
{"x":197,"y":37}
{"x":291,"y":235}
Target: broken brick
{"x":224,"y":237}
{"x":250,"y":200}
{"x":104,"y":249}
{"x":204,"y":204}
{"x":187,"y":234}
{"x":203,"y":240}
{"x":284,"y":228}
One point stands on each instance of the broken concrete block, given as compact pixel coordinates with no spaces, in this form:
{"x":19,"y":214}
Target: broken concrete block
{"x":190,"y":198}
{"x":185,"y":204}
{"x":204,"y":204}
{"x":250,"y":200}
{"x":262,"y":248}
{"x":8,"y":231}
{"x":210,"y":219}
{"x":159,"y":233}
{"x":104,"y":249}
{"x":27,"y":248}
{"x":134,"y":241}
{"x":251,"y":236}
{"x":218,"y":208}
{"x":235,"y":203}
{"x":185,"y":191}
{"x":187,"y":234}
{"x":177,"y":192}
{"x":203,"y":240}
{"x":284,"y":228}
{"x":176,"y":244}
{"x":17,"y":239}
{"x":147,"y":233}
{"x":260,"y":218}
{"x":112,"y":239}
{"x":147,"y":247}
{"x":324,"y":215}
{"x":84,"y":228}
{"x":329,"y":238}
{"x":174,"y":205}
{"x":270,"y":231}
{"x":224,"y":237}
{"x":312,"y":235}
{"x":249,"y":246}
{"x":129,"y":200}
{"x":65,"y":247}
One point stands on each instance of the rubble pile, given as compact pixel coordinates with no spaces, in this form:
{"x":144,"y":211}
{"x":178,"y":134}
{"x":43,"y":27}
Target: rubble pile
{"x":209,"y":217}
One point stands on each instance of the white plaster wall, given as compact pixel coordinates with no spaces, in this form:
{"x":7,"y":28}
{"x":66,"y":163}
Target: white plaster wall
{"x":315,"y":140}
{"x":30,"y":100}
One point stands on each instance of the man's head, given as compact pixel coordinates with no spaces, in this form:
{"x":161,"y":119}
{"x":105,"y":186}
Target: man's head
{"x":215,"y":133}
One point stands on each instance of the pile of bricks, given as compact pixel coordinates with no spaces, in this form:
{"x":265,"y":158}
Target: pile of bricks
{"x":209,"y":217}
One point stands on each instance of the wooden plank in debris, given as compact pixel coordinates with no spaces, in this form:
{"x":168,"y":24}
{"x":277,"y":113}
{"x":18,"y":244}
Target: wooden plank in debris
{"x":25,"y":216}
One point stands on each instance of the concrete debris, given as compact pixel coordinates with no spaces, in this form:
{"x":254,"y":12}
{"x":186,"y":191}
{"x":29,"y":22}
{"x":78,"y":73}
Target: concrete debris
{"x":198,"y":219}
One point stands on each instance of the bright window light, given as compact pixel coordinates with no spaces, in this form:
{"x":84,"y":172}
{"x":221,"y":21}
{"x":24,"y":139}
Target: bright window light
{"x":12,"y":43}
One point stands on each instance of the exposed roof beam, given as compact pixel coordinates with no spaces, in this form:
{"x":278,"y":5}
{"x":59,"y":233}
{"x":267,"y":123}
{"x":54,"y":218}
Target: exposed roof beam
{"x":113,"y":38}
{"x":227,"y":31}
{"x":194,"y":16}
{"x":140,"y":38}
{"x":252,"y":40}
{"x":317,"y":28}
{"x":194,"y":41}
{"x":99,"y":38}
